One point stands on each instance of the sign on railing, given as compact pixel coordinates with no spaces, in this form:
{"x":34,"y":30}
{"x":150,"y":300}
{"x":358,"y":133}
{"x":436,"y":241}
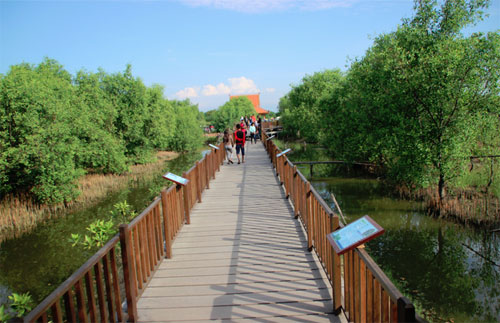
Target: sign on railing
{"x":270,"y":137}
{"x":354,"y":234}
{"x":284,"y":152}
{"x":176,"y":179}
{"x":214,"y":147}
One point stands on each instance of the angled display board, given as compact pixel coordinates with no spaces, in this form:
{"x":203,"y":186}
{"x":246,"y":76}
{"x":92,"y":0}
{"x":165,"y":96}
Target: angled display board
{"x":354,"y":234}
{"x":270,"y":137}
{"x":284,"y":152}
{"x":176,"y":179}
{"x":213,"y":146}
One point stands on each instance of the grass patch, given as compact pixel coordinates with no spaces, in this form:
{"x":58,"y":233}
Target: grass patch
{"x":19,"y":214}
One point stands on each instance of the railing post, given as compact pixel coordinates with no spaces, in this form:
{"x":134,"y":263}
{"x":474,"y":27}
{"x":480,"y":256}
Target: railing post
{"x":207,"y":171}
{"x":185,"y":193}
{"x":295,"y":192}
{"x":406,"y":310}
{"x":128,"y":273}
{"x":309,"y":216}
{"x":198,"y":181}
{"x":336,"y":279}
{"x":166,"y":225}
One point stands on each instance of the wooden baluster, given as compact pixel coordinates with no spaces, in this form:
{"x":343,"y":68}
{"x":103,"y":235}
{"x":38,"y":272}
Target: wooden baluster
{"x":89,"y":285}
{"x":362,"y":291}
{"x":356,"y":287}
{"x":369,"y":297}
{"x":159,"y":234}
{"x":347,"y":283}
{"x":198,"y":181}
{"x":385,"y":306}
{"x":80,"y":301}
{"x":150,"y":239}
{"x":138,"y":258}
{"x":107,"y":284}
{"x":394,"y":310}
{"x":57,"y":312}
{"x":128,"y":272}
{"x":166,"y":225}
{"x":116,"y":287}
{"x":100,"y":291}
{"x":186,"y":200}
{"x":309,"y":216}
{"x":337,"y":283}
{"x":377,"y":298}
{"x":70,"y":306}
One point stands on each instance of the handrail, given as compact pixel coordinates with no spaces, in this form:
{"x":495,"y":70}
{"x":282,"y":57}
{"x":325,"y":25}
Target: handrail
{"x":96,"y":291}
{"x":367,"y":295}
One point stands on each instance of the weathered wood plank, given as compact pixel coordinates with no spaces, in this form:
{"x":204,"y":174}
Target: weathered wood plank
{"x":278,"y":286}
{"x":232,"y":312}
{"x":244,"y":255}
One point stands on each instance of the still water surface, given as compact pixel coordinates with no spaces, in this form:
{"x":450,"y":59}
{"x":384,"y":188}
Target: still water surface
{"x":40,"y":261}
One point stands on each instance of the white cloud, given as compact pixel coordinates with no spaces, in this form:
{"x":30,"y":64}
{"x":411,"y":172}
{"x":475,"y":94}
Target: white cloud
{"x":252,"y":6}
{"x":219,"y":89}
{"x":242,"y":85}
{"x":270,"y":90}
{"x":189,"y":92}
{"x":236,"y":85}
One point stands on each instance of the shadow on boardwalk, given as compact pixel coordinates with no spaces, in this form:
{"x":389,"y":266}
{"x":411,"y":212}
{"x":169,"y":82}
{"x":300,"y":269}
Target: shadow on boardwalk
{"x":243,"y":256}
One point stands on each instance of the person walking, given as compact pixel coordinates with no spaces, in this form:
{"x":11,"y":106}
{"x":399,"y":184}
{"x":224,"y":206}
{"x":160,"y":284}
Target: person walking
{"x":253,"y":130}
{"x":239,"y":138}
{"x":228,"y":145}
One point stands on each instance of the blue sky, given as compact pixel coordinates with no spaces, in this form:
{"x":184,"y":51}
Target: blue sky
{"x":203,"y":50}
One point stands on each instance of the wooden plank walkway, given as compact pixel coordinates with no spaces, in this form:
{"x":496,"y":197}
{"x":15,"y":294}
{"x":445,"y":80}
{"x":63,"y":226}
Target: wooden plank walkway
{"x":243,"y":257}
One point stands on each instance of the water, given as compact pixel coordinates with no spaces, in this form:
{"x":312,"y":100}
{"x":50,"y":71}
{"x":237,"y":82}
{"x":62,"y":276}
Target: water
{"x":450,"y":272}
{"x":40,"y":261}
{"x":435,"y":263}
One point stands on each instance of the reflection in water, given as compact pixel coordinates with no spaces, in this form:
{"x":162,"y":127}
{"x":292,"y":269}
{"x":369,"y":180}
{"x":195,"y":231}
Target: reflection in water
{"x":448,"y":271}
{"x":40,"y":261}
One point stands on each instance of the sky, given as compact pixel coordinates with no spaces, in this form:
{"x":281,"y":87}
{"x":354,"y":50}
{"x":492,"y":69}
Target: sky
{"x":203,"y":50}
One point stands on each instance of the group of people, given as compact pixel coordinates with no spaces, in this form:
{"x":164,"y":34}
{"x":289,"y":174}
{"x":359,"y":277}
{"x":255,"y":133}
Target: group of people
{"x":238,"y":136}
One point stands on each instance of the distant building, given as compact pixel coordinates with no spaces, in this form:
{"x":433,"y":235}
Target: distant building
{"x":255,"y":99}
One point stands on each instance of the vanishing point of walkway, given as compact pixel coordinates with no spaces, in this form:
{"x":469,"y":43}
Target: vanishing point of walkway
{"x":243,"y":257}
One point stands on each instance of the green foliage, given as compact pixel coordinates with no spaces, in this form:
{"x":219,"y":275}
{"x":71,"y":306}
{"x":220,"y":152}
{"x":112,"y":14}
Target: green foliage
{"x":100,"y":232}
{"x":4,"y":316}
{"x":123,"y":212}
{"x":300,"y":108}
{"x":188,"y":131}
{"x":54,"y":128}
{"x":38,"y":149}
{"x":19,"y":305}
{"x":420,"y":101}
{"x":230,"y":113}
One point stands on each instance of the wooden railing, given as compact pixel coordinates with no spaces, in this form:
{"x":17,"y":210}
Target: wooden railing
{"x":360,"y":287}
{"x":106,"y":287}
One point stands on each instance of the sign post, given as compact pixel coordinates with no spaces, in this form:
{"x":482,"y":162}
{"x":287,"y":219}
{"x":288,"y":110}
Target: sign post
{"x":354,"y":234}
{"x":181,"y":184}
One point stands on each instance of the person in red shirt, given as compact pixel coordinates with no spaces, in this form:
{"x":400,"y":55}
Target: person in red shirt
{"x":239,"y":139}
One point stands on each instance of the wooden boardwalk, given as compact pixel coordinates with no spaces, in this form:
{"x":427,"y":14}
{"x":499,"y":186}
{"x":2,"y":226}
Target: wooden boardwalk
{"x":243,"y":257}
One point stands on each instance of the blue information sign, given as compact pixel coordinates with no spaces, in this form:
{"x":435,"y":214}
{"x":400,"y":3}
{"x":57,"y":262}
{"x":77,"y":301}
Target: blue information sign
{"x":284,"y":152}
{"x":354,"y":234}
{"x":176,"y":179}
